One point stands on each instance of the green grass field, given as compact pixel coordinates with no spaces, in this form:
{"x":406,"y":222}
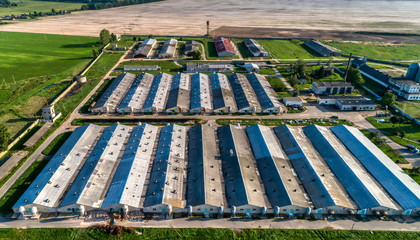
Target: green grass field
{"x":38,"y":68}
{"x":29,"y":6}
{"x":391,"y":153}
{"x":412,"y":108}
{"x":414,"y":174}
{"x":165,"y":66}
{"x":288,"y":49}
{"x":412,"y":131}
{"x":378,"y":50}
{"x":201,"y":233}
{"x":56,"y":144}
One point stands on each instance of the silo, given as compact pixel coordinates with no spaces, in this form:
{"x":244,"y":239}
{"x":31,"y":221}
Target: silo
{"x":412,"y":71}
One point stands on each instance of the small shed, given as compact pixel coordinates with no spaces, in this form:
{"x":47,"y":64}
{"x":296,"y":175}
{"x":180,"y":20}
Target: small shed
{"x":292,"y":101}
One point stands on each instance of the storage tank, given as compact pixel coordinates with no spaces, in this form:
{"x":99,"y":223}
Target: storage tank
{"x":412,"y":71}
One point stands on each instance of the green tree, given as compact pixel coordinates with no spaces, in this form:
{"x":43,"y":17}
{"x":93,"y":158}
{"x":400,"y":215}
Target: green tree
{"x":105,"y":36}
{"x":53,"y":11}
{"x":294,"y":80}
{"x":296,"y":93}
{"x":95,"y":52}
{"x":330,"y":62}
{"x":379,"y":141}
{"x":393,"y":120}
{"x":354,"y":76}
{"x":134,"y":38}
{"x":388,"y":99}
{"x":402,"y":134}
{"x":4,"y":137}
{"x":300,"y":67}
{"x":196,"y":55}
{"x":114,"y":37}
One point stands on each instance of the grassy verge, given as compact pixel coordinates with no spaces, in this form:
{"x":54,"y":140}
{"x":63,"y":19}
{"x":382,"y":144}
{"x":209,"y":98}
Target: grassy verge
{"x":414,"y":173}
{"x":95,"y":97}
{"x":201,"y":233}
{"x":158,"y":122}
{"x":412,"y":130}
{"x":56,"y":144}
{"x":391,"y":153}
{"x":278,"y":122}
{"x":165,"y":66}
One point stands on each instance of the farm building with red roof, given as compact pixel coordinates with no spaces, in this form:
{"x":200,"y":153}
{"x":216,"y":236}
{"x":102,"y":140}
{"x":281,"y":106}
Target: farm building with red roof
{"x":224,"y":48}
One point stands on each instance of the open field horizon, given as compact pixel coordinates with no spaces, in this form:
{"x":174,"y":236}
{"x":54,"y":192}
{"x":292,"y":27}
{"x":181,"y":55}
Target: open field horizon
{"x":184,"y":17}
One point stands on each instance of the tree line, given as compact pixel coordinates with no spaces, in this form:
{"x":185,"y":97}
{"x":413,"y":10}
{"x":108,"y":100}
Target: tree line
{"x":7,"y":3}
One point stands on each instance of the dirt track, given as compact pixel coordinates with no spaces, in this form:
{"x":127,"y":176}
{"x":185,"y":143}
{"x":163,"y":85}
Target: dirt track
{"x":267,"y":18}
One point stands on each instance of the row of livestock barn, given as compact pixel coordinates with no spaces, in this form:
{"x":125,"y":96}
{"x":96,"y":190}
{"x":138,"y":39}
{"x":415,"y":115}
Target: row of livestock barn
{"x":218,"y":171}
{"x":182,"y":93}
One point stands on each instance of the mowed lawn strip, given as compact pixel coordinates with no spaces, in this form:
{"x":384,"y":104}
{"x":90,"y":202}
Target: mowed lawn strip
{"x":288,"y":49}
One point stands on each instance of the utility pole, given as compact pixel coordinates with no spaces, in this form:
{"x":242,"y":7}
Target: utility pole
{"x":208,"y":29}
{"x":347,"y":69}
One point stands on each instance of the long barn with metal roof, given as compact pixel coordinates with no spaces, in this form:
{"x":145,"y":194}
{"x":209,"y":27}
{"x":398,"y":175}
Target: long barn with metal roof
{"x":127,"y":185}
{"x":133,"y":100}
{"x":166,"y":187}
{"x":204,"y":187}
{"x":245,"y":98}
{"x":362,"y":188}
{"x":113,"y":95}
{"x":242,"y":183}
{"x":267,"y":97}
{"x":49,"y":186}
{"x":282,"y":187}
{"x":200,"y":93}
{"x":156,"y":99}
{"x":88,"y":189}
{"x":223,"y":99}
{"x":323,"y":188}
{"x":404,"y":190}
{"x":179,"y":95}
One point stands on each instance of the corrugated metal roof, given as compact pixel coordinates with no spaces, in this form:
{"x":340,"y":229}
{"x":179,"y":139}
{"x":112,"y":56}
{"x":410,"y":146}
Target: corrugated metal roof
{"x":241,"y":180}
{"x":357,"y":182}
{"x":158,"y":92}
{"x":221,"y":92}
{"x":318,"y":182}
{"x":404,"y":190}
{"x":90,"y":184}
{"x":115,"y":91}
{"x":167,"y":176}
{"x":137,"y":92}
{"x":127,"y":185}
{"x":204,"y":184}
{"x":200,"y":92}
{"x":266,"y":96}
{"x":50,"y":184}
{"x":180,"y":92}
{"x":243,"y":92}
{"x":281,"y":186}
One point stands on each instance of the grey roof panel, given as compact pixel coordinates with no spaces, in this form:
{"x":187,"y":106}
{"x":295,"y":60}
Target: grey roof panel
{"x":72,"y":152}
{"x":396,"y":182}
{"x":127,"y":185}
{"x":350,"y":175}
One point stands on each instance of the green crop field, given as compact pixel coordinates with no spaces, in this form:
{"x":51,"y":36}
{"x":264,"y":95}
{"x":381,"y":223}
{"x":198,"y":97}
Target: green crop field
{"x":35,"y":69}
{"x":29,"y":6}
{"x":288,"y":49}
{"x":378,"y":50}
